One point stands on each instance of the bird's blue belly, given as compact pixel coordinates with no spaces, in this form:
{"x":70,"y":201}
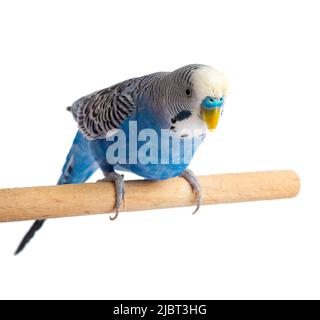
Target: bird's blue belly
{"x":153,"y":172}
{"x":160,"y":167}
{"x":150,"y":154}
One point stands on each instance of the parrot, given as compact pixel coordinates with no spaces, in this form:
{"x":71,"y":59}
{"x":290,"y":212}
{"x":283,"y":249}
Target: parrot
{"x":184,"y":103}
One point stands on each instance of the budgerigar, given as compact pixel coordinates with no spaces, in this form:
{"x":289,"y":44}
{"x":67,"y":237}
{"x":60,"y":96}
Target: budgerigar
{"x":183,"y":103}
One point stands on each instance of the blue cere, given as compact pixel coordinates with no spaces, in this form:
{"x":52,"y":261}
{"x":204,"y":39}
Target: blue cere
{"x":211,"y":102}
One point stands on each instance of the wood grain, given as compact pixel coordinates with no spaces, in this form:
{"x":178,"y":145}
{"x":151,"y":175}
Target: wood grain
{"x":94,"y":198}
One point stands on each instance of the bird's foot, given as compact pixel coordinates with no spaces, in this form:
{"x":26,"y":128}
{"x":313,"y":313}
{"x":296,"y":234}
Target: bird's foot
{"x":119,"y":188}
{"x":195,"y":185}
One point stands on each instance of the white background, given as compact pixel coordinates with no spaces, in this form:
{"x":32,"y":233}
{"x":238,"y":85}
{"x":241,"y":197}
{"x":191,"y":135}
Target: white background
{"x":54,"y":52}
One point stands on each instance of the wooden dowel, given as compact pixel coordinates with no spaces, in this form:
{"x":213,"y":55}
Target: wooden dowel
{"x":94,"y":198}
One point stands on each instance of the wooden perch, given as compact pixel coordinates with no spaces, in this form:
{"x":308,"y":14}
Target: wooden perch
{"x":93,"y":198}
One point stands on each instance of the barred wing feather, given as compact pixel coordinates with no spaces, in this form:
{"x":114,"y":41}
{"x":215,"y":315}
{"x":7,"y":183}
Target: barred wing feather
{"x":105,"y":110}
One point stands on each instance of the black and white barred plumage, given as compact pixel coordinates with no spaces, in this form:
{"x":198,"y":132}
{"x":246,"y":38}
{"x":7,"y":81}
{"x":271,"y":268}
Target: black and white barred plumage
{"x":104,"y":110}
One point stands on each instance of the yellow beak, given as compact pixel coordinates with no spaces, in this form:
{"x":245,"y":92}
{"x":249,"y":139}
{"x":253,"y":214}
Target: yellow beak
{"x":211,"y":117}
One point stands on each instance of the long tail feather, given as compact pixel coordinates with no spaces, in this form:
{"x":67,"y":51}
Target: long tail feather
{"x":29,"y":235}
{"x":79,"y":166}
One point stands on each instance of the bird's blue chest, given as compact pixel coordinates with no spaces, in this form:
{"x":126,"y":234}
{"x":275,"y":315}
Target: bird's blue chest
{"x":149,"y":149}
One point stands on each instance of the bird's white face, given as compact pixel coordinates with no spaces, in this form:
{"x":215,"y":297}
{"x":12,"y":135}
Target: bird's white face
{"x":195,"y":95}
{"x":210,"y":88}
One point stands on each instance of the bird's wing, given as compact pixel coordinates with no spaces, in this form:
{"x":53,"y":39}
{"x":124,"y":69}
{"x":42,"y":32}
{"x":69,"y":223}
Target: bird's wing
{"x":105,"y":110}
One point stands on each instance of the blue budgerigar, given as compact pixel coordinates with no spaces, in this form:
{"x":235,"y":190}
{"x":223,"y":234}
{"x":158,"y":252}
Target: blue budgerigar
{"x":183,"y":103}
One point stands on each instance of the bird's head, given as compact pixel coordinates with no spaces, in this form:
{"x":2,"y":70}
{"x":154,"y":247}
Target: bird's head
{"x":210,"y":89}
{"x":201,"y":94}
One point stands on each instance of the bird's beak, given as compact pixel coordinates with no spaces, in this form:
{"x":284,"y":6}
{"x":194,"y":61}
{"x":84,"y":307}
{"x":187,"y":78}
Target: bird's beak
{"x":211,"y":117}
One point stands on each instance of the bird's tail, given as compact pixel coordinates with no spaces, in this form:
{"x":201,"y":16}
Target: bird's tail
{"x":79,"y":166}
{"x":29,"y":235}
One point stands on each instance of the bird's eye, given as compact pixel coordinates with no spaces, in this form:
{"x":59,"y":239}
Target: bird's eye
{"x":188,"y":92}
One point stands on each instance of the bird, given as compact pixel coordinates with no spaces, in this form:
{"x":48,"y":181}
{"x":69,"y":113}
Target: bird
{"x":150,"y":125}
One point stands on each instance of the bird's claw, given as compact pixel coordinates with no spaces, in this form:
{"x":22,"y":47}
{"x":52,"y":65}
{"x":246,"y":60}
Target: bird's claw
{"x":195,"y":185}
{"x":118,"y":180}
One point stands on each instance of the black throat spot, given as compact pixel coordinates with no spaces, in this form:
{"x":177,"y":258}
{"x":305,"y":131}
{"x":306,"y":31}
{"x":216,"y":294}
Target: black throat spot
{"x":183,"y":115}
